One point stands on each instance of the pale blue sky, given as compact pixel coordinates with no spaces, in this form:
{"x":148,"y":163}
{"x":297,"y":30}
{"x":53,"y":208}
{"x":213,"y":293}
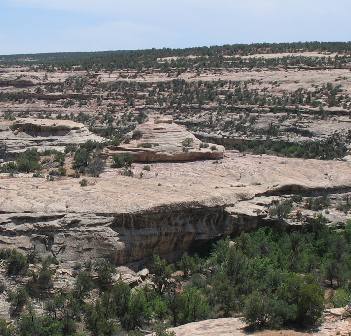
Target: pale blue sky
{"x":28,"y":26}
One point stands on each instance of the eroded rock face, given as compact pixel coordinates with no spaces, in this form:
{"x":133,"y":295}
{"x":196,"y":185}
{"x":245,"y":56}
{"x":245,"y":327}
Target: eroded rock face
{"x":42,"y":134}
{"x":122,"y":238}
{"x":161,"y":140}
{"x":174,"y":206}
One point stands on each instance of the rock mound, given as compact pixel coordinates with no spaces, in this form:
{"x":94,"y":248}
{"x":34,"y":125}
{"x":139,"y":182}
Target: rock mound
{"x":161,"y":140}
{"x":42,"y":134}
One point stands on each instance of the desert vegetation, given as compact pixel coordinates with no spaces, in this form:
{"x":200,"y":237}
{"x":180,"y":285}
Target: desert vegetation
{"x":249,"y":235}
{"x":272,"y":277}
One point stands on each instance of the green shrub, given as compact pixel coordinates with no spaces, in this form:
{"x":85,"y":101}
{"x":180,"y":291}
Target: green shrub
{"x":60,"y":158}
{"x":137,"y":134}
{"x":189,"y":264}
{"x":91,"y":146}
{"x":6,"y":329}
{"x":61,"y":171}
{"x":30,"y":324}
{"x":83,"y":284}
{"x":104,"y":270}
{"x":137,"y":313}
{"x":2,"y":287}
{"x":318,"y":203}
{"x":81,"y":159}
{"x":126,"y":171}
{"x":310,"y":304}
{"x":281,"y":210}
{"x":98,"y":321}
{"x":16,"y":263}
{"x":83,"y":182}
{"x":95,"y":166}
{"x":341,"y":298}
{"x":159,"y":307}
{"x":192,"y":306}
{"x":42,"y":281}
{"x":344,"y":205}
{"x":9,"y":167}
{"x":122,"y":160}
{"x":145,"y":145}
{"x":70,"y":148}
{"x":188,"y":142}
{"x":28,"y":161}
{"x":18,"y":299}
{"x":119,"y":297}
{"x":256,"y":310}
{"x":161,"y":330}
{"x":161,"y":271}
{"x":8,"y":115}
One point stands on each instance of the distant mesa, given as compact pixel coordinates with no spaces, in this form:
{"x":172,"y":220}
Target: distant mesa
{"x":161,"y":140}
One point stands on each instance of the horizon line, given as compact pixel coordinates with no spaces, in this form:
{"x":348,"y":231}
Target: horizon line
{"x":171,"y":48}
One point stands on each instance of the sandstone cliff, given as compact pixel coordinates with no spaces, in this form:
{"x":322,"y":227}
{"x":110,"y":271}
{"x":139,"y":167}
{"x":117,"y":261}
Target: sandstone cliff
{"x":172,"y":207}
{"x":42,"y":134}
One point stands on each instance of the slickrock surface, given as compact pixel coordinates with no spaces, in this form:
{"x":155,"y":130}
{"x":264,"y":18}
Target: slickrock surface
{"x":227,"y":327}
{"x":43,"y":134}
{"x":223,"y":327}
{"x":165,"y":211}
{"x":161,"y":140}
{"x":332,"y":326}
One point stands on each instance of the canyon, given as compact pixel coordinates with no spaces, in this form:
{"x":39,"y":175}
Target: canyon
{"x":119,"y":158}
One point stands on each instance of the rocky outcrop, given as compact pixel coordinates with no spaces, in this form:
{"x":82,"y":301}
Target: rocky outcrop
{"x":161,"y":140}
{"x":173,"y":207}
{"x":223,"y":327}
{"x":17,"y":83}
{"x":122,"y":238}
{"x":335,"y":322}
{"x":42,"y":134}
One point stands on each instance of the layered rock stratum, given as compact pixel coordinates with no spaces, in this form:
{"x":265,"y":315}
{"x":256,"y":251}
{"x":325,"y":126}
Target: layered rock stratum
{"x":169,"y":209}
{"x":161,"y":140}
{"x":42,"y":134}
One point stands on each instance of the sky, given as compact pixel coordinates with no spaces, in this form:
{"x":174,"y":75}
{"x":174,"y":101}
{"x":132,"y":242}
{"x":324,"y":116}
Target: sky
{"x":33,"y":26}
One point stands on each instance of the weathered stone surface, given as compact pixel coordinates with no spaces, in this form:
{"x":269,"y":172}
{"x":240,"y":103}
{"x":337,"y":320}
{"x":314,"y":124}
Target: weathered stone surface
{"x":127,"y":275}
{"x":144,"y":273}
{"x":43,"y":134}
{"x":174,"y":206}
{"x":161,"y":140}
{"x":223,"y":327}
{"x":332,"y":326}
